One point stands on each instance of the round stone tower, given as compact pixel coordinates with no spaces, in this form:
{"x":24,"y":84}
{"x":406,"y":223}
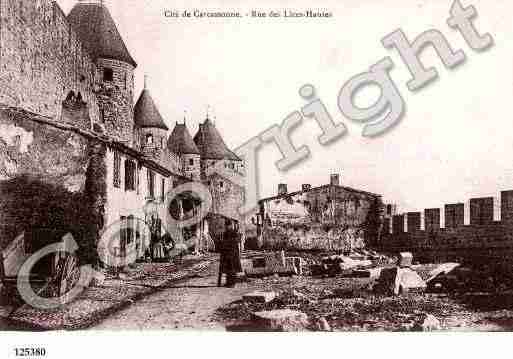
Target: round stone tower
{"x":213,"y":149}
{"x":114,"y":78}
{"x":181,"y":143}
{"x":150,"y":128}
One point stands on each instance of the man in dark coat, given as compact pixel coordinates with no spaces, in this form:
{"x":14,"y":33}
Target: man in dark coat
{"x":230,"y":263}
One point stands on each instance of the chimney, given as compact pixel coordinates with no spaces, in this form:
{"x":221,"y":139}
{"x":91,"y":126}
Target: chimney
{"x":306,"y":187}
{"x":335,"y":179}
{"x":282,"y":189}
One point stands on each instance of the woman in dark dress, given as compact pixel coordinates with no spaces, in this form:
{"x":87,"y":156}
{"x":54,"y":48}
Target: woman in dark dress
{"x":230,"y":263}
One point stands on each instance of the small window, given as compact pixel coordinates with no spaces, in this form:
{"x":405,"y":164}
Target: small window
{"x":108,"y":74}
{"x":151,"y":183}
{"x":191,"y":162}
{"x":102,"y":115}
{"x":232,"y":166}
{"x":129,"y":175}
{"x":221,"y":184}
{"x":117,"y":170}
{"x":149,"y":139}
{"x":163,"y":190}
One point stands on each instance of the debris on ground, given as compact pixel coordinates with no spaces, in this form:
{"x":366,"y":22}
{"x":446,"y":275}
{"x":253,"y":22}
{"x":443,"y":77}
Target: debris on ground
{"x":405,"y":259}
{"x":259,"y":297}
{"x":322,"y":325}
{"x":281,"y":320}
{"x":397,"y":281}
{"x":427,"y":323}
{"x":273,"y":263}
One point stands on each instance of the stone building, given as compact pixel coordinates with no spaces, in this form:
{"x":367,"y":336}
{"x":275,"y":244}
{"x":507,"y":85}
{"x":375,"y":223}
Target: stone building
{"x":328,"y":217}
{"x":76,"y":154}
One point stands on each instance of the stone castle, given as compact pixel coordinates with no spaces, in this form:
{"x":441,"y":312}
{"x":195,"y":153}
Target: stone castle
{"x":76,"y":153}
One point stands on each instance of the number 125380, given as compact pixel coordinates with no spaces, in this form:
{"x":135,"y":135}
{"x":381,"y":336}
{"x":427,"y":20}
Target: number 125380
{"x":30,"y":352}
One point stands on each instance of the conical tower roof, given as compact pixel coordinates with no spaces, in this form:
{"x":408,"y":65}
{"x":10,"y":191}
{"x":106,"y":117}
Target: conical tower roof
{"x":146,"y":113}
{"x":98,"y":32}
{"x":181,"y":142}
{"x":211,"y":144}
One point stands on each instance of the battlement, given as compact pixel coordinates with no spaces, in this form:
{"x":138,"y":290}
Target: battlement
{"x":479,"y":229}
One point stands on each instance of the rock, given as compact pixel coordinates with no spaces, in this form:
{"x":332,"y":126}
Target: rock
{"x":259,"y":297}
{"x":427,"y":323}
{"x":281,"y":320}
{"x":442,"y":269}
{"x":322,"y":325}
{"x":298,"y":295}
{"x":296,"y":262}
{"x":405,"y":259}
{"x":367,"y":273}
{"x":317,"y":269}
{"x":275,"y":259}
{"x":271,"y":271}
{"x":395,"y":281}
{"x":98,"y":279}
{"x":246,"y":264}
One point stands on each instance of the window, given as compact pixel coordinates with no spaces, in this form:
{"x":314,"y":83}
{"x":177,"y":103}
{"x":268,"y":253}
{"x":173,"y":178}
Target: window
{"x":102,"y":115}
{"x":130,"y":229}
{"x":191,"y":162}
{"x":123,"y":235}
{"x":129,"y":175}
{"x":127,"y":232}
{"x":151,"y":183}
{"x":221,"y":184}
{"x":137,"y":169}
{"x":149,"y":139}
{"x":163,"y":189}
{"x":108,"y":74}
{"x":232,"y":166}
{"x":117,"y":170}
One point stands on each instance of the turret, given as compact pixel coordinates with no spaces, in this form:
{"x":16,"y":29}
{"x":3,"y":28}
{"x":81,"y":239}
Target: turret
{"x":114,"y":78}
{"x":181,"y":143}
{"x":150,"y":128}
{"x":214,"y":150}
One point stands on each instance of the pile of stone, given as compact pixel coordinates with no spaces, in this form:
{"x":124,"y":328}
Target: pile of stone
{"x":273,"y":263}
{"x":401,"y":279}
{"x":343,"y":265}
{"x":283,"y":319}
{"x":280,"y":320}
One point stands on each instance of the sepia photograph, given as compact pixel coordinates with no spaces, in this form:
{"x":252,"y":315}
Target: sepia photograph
{"x":254,"y":167}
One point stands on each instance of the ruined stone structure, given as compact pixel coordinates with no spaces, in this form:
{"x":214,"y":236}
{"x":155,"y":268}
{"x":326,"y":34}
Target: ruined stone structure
{"x":76,"y":154}
{"x":329,"y":217}
{"x":482,"y":240}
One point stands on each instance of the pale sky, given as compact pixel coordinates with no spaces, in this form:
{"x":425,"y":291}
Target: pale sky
{"x":455,"y":141}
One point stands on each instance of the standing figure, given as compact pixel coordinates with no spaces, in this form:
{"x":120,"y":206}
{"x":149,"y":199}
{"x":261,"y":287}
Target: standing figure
{"x":230,"y":263}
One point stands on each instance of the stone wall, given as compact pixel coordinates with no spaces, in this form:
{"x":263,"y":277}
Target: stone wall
{"x":192,"y":171}
{"x":327,"y":217}
{"x":115,"y":99}
{"x":483,"y":239}
{"x":42,"y":61}
{"x":51,"y":180}
{"x":227,"y":197}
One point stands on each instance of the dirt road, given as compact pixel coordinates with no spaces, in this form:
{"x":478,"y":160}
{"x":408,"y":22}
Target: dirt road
{"x":188,"y":305}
